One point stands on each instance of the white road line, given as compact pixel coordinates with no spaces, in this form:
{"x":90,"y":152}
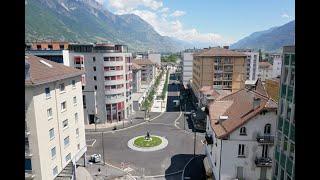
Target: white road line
{"x":94,"y":141}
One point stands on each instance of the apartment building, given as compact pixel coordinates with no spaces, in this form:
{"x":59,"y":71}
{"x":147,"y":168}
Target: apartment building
{"x":220,"y":67}
{"x":136,"y":80}
{"x":47,"y":45}
{"x":252,"y":63}
{"x":265,"y":71}
{"x":155,"y":58}
{"x":208,"y":94}
{"x":276,"y":65}
{"x":272,"y":87}
{"x":54,"y":122}
{"x":240,"y":135}
{"x":148,"y":70}
{"x":284,"y":166}
{"x":107,"y":83}
{"x":187,"y":63}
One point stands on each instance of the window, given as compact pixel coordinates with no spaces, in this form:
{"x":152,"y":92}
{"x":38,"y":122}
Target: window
{"x":63,"y":106}
{"x":53,"y":152}
{"x":61,"y":47}
{"x":267,"y":129}
{"x":50,"y":46}
{"x":66,"y":142}
{"x":243,"y":131}
{"x":51,"y":133}
{"x":95,"y":87}
{"x":241,"y":150}
{"x":38,"y":47}
{"x":95,"y":78}
{"x":78,"y":146}
{"x":68,"y":157}
{"x":49,"y":113}
{"x":47,"y":90}
{"x":62,"y":87}
{"x":75,"y":100}
{"x":84,"y":101}
{"x":65,"y":124}
{"x":77,"y":132}
{"x":94,"y":59}
{"x":55,"y":171}
{"x":76,"y":117}
{"x":94,"y":68}
{"x":74,"y":83}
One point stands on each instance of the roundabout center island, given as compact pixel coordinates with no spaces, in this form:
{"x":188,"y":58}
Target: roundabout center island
{"x":145,"y":144}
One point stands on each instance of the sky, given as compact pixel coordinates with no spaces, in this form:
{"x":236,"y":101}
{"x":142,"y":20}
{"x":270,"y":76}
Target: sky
{"x":216,"y":22}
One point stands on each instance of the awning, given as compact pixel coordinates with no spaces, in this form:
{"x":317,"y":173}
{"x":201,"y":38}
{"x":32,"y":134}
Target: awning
{"x":207,"y":167}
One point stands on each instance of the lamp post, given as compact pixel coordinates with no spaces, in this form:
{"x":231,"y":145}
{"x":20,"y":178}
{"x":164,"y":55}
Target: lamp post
{"x":195,"y":135}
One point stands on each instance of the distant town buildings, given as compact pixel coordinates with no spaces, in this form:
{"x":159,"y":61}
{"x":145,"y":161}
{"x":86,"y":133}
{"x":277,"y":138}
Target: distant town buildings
{"x":54,"y":121}
{"x":107,"y":83}
{"x":252,"y":63}
{"x":284,"y":165}
{"x":148,"y":70}
{"x":265,"y":70}
{"x":153,"y":57}
{"x":186,"y":65}
{"x":136,"y":80}
{"x":240,"y":135}
{"x":218,"y":67}
{"x":47,"y":45}
{"x":276,"y":65}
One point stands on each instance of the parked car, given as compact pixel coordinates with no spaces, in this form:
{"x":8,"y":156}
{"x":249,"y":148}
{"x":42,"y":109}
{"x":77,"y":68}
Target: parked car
{"x":95,"y":158}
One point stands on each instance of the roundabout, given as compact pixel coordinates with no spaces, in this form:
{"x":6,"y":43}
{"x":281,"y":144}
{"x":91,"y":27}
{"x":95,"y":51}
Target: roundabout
{"x":144,"y":144}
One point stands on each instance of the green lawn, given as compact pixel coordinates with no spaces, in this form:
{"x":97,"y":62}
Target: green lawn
{"x":141,"y":142}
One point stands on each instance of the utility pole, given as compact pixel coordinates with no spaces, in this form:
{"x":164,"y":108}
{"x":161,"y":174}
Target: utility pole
{"x":194,"y":145}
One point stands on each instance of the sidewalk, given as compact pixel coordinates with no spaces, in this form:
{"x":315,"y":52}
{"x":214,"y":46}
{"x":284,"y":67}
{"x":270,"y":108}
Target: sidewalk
{"x":160,"y":105}
{"x":137,"y":118}
{"x":83,"y":174}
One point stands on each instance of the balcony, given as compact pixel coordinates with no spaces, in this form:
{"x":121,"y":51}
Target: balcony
{"x":265,"y":139}
{"x":27,"y":152}
{"x":115,"y":91}
{"x":227,"y":78}
{"x":209,"y":138}
{"x":113,"y":72}
{"x":28,"y":174}
{"x":27,"y":130}
{"x":116,"y":99}
{"x":263,"y":162}
{"x":114,"y":82}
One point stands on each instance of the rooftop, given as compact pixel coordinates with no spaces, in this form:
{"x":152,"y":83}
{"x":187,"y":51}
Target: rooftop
{"x":265,"y":65}
{"x":216,"y":51}
{"x":135,"y":66}
{"x":143,"y":62}
{"x":43,"y":71}
{"x":239,"y":107}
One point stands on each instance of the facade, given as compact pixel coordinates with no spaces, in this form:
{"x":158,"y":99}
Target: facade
{"x":265,"y":71}
{"x":155,"y":58}
{"x":136,"y":80}
{"x":240,"y":135}
{"x":107,"y":83}
{"x":54,"y":122}
{"x":52,"y":55}
{"x":49,"y":45}
{"x":220,"y":67}
{"x":284,"y":166}
{"x":272,"y":88}
{"x":187,"y":63}
{"x":276,"y":65}
{"x":148,"y":70}
{"x":252,"y":63}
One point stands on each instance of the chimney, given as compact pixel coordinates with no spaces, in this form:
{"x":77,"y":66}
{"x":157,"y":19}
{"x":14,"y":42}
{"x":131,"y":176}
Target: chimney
{"x":256,"y":102}
{"x":27,"y":70}
{"x":222,"y":118}
{"x":226,"y":47}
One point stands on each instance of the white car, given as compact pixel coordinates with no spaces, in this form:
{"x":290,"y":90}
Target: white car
{"x":95,"y":158}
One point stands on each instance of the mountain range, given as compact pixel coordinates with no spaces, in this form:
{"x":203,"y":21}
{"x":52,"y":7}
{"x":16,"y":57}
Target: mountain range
{"x":271,"y":40}
{"x":87,"y":21}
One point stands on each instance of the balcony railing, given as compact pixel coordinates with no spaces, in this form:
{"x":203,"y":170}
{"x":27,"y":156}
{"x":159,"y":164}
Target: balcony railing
{"x":265,"y":139}
{"x":263,"y":162}
{"x":29,"y":174}
{"x":27,"y":130}
{"x":27,"y":151}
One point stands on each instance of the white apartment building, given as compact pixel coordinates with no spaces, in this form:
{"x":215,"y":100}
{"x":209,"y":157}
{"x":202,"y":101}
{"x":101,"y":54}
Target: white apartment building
{"x":240,"y":135}
{"x":265,"y":71}
{"x":136,"y":79}
{"x":107,"y":83}
{"x":276,"y":65}
{"x":148,"y":70}
{"x":252,"y":63}
{"x":187,"y":63}
{"x":155,"y":58}
{"x":54,"y":122}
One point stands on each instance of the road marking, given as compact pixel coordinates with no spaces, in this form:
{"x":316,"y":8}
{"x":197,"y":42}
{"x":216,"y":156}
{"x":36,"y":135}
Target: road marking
{"x":94,"y":141}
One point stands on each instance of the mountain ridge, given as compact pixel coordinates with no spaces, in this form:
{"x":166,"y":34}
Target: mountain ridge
{"x":88,"y":21}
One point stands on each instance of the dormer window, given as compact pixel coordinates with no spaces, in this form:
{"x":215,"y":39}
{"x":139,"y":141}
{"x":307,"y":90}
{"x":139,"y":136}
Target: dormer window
{"x":243,"y":131}
{"x":267,"y":129}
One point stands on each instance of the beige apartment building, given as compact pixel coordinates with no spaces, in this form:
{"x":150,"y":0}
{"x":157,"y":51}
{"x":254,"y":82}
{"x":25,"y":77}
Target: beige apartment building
{"x":218,"y":67}
{"x":54,"y":121}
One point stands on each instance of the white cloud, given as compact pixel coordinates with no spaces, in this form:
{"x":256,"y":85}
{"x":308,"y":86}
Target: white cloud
{"x":178,"y":13}
{"x":285,"y":15}
{"x":126,"y":6}
{"x":157,"y":17}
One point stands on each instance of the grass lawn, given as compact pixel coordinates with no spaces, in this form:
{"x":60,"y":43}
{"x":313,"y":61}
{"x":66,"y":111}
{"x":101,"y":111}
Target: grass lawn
{"x":141,"y":142}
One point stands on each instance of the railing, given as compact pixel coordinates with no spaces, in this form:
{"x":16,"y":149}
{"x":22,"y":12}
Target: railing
{"x":27,"y":150}
{"x":27,"y":130}
{"x":265,"y":139}
{"x":28,"y":174}
{"x":263,"y":162}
